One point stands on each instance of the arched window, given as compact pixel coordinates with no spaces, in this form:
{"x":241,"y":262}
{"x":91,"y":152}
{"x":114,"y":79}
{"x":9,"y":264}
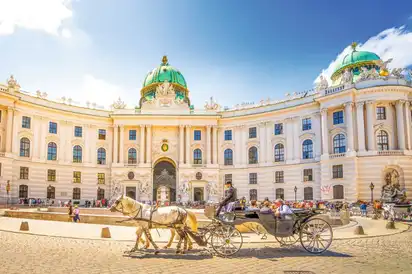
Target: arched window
{"x":101,"y":156}
{"x":100,"y":194}
{"x":253,"y":155}
{"x":51,"y":192}
{"x":280,"y":193}
{"x":339,"y":143}
{"x":253,"y":195}
{"x":197,"y":157}
{"x":24,"y":147}
{"x":132,"y":156}
{"x":279,"y":153}
{"x":77,"y":154}
{"x":23,"y":191}
{"x":228,"y":157}
{"x":307,"y":149}
{"x":76,"y":193}
{"x":52,"y":151}
{"x":338,"y":192}
{"x":308,"y":193}
{"x":382,"y":140}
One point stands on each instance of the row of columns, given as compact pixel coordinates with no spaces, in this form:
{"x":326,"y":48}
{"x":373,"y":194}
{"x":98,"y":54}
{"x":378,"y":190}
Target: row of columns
{"x":185,"y":151}
{"x":403,"y":126}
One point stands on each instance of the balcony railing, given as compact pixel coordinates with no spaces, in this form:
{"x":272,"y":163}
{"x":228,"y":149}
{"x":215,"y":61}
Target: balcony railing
{"x":390,"y":152}
{"x":337,"y":155}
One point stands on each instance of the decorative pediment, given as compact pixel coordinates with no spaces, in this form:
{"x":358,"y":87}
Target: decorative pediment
{"x":307,"y":136}
{"x":337,"y":130}
{"x":25,"y":133}
{"x":382,"y":126}
{"x":278,"y":139}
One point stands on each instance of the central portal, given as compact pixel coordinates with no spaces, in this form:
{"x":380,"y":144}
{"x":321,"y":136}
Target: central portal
{"x":164,"y":182}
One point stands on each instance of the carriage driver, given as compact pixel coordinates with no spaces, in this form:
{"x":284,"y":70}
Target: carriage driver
{"x":230,"y":197}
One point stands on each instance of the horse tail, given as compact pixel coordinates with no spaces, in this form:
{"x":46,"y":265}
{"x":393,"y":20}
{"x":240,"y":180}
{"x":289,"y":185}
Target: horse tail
{"x":191,"y":220}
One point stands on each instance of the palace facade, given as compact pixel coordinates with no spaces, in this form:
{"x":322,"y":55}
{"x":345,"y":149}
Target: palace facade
{"x":329,"y":143}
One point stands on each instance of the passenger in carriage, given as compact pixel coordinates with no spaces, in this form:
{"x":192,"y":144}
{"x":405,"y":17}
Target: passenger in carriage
{"x":283,"y":211}
{"x":229,"y":200}
{"x":266,"y":208}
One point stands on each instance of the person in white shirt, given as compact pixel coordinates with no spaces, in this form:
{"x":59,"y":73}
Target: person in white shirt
{"x":282,"y":210}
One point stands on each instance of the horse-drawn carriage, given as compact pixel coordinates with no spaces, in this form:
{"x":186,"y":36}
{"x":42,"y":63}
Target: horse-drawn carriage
{"x":313,"y":232}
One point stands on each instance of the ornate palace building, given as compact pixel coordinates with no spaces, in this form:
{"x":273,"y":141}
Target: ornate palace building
{"x":328,"y":143}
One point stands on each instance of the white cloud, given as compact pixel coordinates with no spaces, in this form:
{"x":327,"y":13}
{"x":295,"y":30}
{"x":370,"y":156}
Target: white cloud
{"x":98,"y":91}
{"x":43,"y":15}
{"x":393,"y":43}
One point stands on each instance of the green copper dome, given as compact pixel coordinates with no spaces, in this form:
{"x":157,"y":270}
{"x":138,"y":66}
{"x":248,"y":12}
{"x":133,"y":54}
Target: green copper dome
{"x":355,"y":60}
{"x":164,"y":72}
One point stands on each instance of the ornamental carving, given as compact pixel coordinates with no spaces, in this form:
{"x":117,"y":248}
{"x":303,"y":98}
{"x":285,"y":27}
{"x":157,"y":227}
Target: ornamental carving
{"x":42,"y":95}
{"x":11,"y":82}
{"x":144,"y":187}
{"x":165,"y":89}
{"x":119,"y":104}
{"x":212,"y":104}
{"x":347,"y":77}
{"x":322,"y":84}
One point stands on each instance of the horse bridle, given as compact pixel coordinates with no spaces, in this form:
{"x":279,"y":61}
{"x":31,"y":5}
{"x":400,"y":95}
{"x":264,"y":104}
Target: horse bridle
{"x":122,"y":208}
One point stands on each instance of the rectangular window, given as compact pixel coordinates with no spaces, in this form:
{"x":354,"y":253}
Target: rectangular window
{"x":132,"y":135}
{"x":279,"y":177}
{"x":253,"y":178}
{"x":337,"y":171}
{"x":51,"y":175}
{"x":26,"y":121}
{"x":24,"y":173}
{"x":306,"y":124}
{"x":278,"y":129}
{"x":228,"y":135}
{"x":228,"y":178}
{"x":102,"y":134}
{"x":252,"y":132}
{"x":380,"y":113}
{"x":53,"y":127}
{"x":77,"y":177}
{"x":78,"y":131}
{"x":308,"y":175}
{"x":253,"y":195}
{"x":76,"y":193}
{"x":338,"y":117}
{"x":198,"y":135}
{"x":101,"y":178}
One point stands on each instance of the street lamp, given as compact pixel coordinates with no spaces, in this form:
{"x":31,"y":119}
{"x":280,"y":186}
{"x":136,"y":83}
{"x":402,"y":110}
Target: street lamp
{"x":295,"y":189}
{"x":371,"y":186}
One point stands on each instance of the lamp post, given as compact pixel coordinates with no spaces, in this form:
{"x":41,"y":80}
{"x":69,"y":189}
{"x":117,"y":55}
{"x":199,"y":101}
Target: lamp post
{"x":295,"y":189}
{"x":371,"y":186}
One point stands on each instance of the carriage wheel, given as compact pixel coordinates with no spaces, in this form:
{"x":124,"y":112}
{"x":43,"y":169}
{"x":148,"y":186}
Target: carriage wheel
{"x":287,"y":241}
{"x":316,"y":235}
{"x":226,"y":240}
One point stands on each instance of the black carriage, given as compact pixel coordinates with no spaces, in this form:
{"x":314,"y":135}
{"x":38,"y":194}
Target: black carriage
{"x":304,"y":225}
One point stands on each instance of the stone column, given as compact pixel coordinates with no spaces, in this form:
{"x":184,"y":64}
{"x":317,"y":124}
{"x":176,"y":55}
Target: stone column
{"x":36,"y":138}
{"x":115,"y":144}
{"x":44,"y":129}
{"x":361,"y":126}
{"x":408,"y":124}
{"x":297,"y":151}
{"x":142,"y":144}
{"x":215,"y":147}
{"x":400,"y":124}
{"x":188,"y":141}
{"x":262,"y":142}
{"x":181,"y":145}
{"x":317,"y":144}
{"x":289,"y":138}
{"x":15,"y":140}
{"x":9,"y":136}
{"x":244,"y":156}
{"x":349,"y":125}
{"x":238,"y":145}
{"x":208,"y":145}
{"x":269,"y":148}
{"x":149,"y":144}
{"x":370,"y":119}
{"x":325,"y":132}
{"x":87,"y":147}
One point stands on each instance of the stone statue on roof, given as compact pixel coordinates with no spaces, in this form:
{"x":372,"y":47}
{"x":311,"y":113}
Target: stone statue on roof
{"x":322,"y":84}
{"x":347,"y":77}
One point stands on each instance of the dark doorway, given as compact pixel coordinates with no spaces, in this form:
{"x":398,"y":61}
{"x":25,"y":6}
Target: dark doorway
{"x":131,"y":192}
{"x":198,"y":195}
{"x":164,"y":175}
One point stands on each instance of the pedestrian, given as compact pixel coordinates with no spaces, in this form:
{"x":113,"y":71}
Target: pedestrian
{"x":70,"y":213}
{"x":76,"y":214}
{"x":363,"y":209}
{"x":29,"y":202}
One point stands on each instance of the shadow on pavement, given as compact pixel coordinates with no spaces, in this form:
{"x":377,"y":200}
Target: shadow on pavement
{"x":265,"y":253}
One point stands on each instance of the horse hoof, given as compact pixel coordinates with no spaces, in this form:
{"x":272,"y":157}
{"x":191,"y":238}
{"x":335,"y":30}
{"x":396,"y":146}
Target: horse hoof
{"x":165,"y":247}
{"x":178,"y":251}
{"x":156,"y":252}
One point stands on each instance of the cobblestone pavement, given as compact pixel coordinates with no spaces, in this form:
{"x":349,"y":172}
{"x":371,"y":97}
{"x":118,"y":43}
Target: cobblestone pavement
{"x":22,"y":253}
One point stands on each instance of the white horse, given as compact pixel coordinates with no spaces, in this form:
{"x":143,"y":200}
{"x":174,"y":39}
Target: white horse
{"x":163,"y":217}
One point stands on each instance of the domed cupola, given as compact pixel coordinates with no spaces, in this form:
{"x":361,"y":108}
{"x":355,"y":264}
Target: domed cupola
{"x":354,"y":61}
{"x":164,"y":73}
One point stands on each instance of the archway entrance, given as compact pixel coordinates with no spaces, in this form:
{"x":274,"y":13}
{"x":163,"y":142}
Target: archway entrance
{"x":164,"y":181}
{"x":131,"y":192}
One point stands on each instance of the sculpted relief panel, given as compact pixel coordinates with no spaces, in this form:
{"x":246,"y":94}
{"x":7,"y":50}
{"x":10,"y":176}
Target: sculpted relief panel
{"x":165,"y":143}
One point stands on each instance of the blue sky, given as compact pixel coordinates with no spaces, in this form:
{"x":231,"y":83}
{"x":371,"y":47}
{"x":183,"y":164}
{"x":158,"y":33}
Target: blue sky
{"x":232,"y":50}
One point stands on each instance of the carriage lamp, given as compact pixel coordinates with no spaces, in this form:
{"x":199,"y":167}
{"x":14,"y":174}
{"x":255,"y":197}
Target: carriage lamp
{"x":295,"y":189}
{"x":371,"y":186}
